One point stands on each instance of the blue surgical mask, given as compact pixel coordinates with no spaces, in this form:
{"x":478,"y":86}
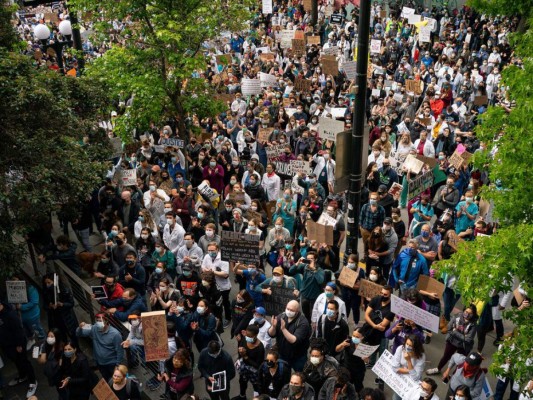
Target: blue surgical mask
{"x":329,"y":295}
{"x":69,"y":354}
{"x":425,"y":234}
{"x":259,"y":320}
{"x":200,"y":215}
{"x":158,"y":270}
{"x":330,"y":313}
{"x":212,"y":254}
{"x":373,"y":202}
{"x":249,"y":339}
{"x":355,"y":340}
{"x":140,"y":219}
{"x":408,"y":348}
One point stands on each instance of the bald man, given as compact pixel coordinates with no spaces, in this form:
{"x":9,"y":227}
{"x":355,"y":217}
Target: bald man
{"x":292,"y":331}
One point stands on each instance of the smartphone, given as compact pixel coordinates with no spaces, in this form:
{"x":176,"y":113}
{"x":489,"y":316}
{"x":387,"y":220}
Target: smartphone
{"x":305,"y":261}
{"x":218,"y":269}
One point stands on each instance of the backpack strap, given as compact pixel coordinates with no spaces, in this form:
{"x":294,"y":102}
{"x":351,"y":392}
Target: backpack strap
{"x":128,"y":387}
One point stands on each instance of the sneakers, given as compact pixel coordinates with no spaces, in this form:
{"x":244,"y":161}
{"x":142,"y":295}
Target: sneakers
{"x":379,"y":381}
{"x":30,"y":344}
{"x":226,"y":323}
{"x":16,"y":381}
{"x":432,"y":371}
{"x":153,"y":383}
{"x":31,"y":390}
{"x":497,"y":342}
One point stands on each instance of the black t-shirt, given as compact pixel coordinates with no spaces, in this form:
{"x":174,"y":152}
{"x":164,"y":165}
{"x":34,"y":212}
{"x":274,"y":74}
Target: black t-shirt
{"x":378,"y":314}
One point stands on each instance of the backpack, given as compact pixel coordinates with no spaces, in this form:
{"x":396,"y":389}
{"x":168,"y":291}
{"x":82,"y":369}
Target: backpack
{"x":129,"y":380}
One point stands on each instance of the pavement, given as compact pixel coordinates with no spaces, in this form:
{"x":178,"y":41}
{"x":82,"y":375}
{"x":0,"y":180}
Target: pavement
{"x":433,"y":354}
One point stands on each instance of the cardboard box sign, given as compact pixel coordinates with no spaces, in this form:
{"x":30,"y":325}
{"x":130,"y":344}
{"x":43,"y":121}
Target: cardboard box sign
{"x":430,"y":285}
{"x":302,"y":85}
{"x":369,"y":289}
{"x":102,"y":391}
{"x":320,"y":233}
{"x":154,"y":325}
{"x":313,"y":40}
{"x":348,"y":277}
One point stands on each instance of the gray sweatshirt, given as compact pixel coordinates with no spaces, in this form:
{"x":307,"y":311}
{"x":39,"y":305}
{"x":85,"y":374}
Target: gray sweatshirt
{"x":106,"y":345}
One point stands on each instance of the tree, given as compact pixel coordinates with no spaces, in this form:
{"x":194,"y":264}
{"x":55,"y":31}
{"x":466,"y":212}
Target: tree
{"x":51,"y":156}
{"x":155,"y":56}
{"x":495,"y":262}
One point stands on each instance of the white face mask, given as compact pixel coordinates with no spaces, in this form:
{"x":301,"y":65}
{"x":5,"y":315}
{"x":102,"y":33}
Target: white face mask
{"x":100,"y":325}
{"x":163,"y":288}
{"x":209,"y":233}
{"x":373,"y":277}
{"x":290,"y":313}
{"x":51,"y":340}
{"x":278,"y":227}
{"x":314,"y":360}
{"x":135,"y":322}
{"x":144,"y":236}
{"x":277,"y":279}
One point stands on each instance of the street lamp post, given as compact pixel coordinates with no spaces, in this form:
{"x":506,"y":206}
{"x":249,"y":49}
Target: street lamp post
{"x":42,"y":33}
{"x":358,"y":128}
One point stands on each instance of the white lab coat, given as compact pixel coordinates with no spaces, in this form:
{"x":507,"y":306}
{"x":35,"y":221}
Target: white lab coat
{"x":320,"y":306}
{"x":173,"y":240}
{"x":208,"y":264}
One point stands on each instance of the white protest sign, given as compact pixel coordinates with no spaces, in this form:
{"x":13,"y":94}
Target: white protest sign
{"x":375,"y":46}
{"x":425,"y":34}
{"x":413,"y":164}
{"x":250,"y":87}
{"x":420,"y":317}
{"x":205,"y":190}
{"x":328,"y":128}
{"x":267,"y":6}
{"x":331,"y":51}
{"x":219,"y":383}
{"x":338,"y":112}
{"x":468,"y":38}
{"x":129,"y":177}
{"x":267,"y":80}
{"x":398,"y":97}
{"x":300,"y":166}
{"x":406,"y":11}
{"x":364,"y":350}
{"x":402,"y":384}
{"x":16,"y":292}
{"x":376,"y":92}
{"x":432,"y":23}
{"x":325,"y":219}
{"x":286,"y":38}
{"x":414,"y":18}
{"x":350,"y":69}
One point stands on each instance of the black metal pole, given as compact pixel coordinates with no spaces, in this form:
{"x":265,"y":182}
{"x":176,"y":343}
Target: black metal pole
{"x":76,"y":37}
{"x":358,"y":128}
{"x":314,"y":13}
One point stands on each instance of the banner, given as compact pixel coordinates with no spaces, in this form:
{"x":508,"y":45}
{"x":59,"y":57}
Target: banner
{"x":16,"y":292}
{"x":173,"y":142}
{"x":250,"y":87}
{"x":350,"y":69}
{"x":328,"y":128}
{"x":240,"y":247}
{"x":154,"y":325}
{"x":402,"y":384}
{"x":268,"y":80}
{"x":276,"y":303}
{"x":420,"y":317}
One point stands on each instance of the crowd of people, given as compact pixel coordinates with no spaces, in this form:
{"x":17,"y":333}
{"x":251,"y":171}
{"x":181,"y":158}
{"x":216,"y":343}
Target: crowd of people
{"x":162,"y":235}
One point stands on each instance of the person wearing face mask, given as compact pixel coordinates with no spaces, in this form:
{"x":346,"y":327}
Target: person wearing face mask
{"x":253,"y":277}
{"x":107,"y":344}
{"x":65,"y":250}
{"x":226,"y":215}
{"x":460,"y":338}
{"x":463,"y":393}
{"x":213,"y":262}
{"x":271,"y":182}
{"x":121,"y":249}
{"x":319,"y":367}
{"x":173,"y":233}
{"x":75,"y":376}
{"x":251,"y":354}
{"x":178,"y":375}
{"x":321,"y":305}
{"x":292,"y":332}
{"x":371,"y":216}
{"x":130,"y":301}
{"x":408,"y":267}
{"x":467,"y":212}
{"x":182,"y":205}
{"x":325,"y":170}
{"x":278,"y":280}
{"x":274,"y":374}
{"x":468,"y":373}
{"x":447,"y":197}
{"x":297,"y":388}
{"x":311,"y":182}
{"x":145,"y":247}
{"x":162,"y":255}
{"x":214,"y":359}
{"x":50,"y":355}
{"x":123,"y":387}
{"x":421,"y":212}
{"x":209,"y":237}
{"x":312,"y":280}
{"x":400,"y":330}
{"x":409,"y":359}
{"x":339,"y":387}
{"x":332,"y":326}
{"x":214,"y":173}
{"x":190,"y":253}
{"x":134,"y":343}
{"x":286,"y":209}
{"x":132,"y":274}
{"x":263,"y":326}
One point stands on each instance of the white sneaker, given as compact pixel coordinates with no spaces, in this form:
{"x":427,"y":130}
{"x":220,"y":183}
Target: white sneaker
{"x":432,"y":371}
{"x":31,"y":390}
{"x":30,"y":344}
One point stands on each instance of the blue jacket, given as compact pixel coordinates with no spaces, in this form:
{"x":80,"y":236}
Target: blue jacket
{"x":399,"y":269}
{"x":137,"y":304}
{"x":30,"y":311}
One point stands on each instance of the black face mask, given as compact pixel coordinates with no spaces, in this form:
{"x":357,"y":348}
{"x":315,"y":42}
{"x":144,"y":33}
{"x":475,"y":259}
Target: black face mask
{"x":120,"y":242}
{"x":270,"y":364}
{"x":182,"y":194}
{"x":130,"y":262}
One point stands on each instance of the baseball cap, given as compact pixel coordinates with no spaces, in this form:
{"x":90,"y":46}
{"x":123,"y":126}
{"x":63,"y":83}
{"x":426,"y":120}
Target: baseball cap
{"x":387,"y":220}
{"x":278,"y":270}
{"x":382,"y":189}
{"x":260,"y":310}
{"x":255,"y":157}
{"x":474,"y":359}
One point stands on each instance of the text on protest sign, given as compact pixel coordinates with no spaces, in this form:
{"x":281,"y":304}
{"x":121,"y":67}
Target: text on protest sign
{"x":402,"y":384}
{"x":331,"y":51}
{"x":129,"y":177}
{"x":413,"y":164}
{"x":348,"y":277}
{"x":250,"y":87}
{"x":155,"y":344}
{"x":286,"y":38}
{"x":300,"y":166}
{"x":267,"y":80}
{"x":276,"y":302}
{"x":420,"y":184}
{"x":425,"y":34}
{"x":240,"y":247}
{"x":369,"y":289}
{"x":263,"y":134}
{"x":219,"y":383}
{"x":364,"y":350}
{"x":328,"y":128}
{"x":420,"y":317}
{"x":173,"y":142}
{"x":375,"y":46}
{"x":350,"y":69}
{"x":273,"y":152}
{"x":313,"y":40}
{"x":302,"y":85}
{"x":206,"y":191}
{"x":267,"y":6}
{"x":298,"y":47}
{"x":16,"y":292}
{"x":330,"y":65}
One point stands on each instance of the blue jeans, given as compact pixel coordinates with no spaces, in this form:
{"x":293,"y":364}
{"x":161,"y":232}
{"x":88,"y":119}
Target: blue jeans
{"x":136,"y":355}
{"x":83,"y":236}
{"x":501,"y":386}
{"x":449,"y":298}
